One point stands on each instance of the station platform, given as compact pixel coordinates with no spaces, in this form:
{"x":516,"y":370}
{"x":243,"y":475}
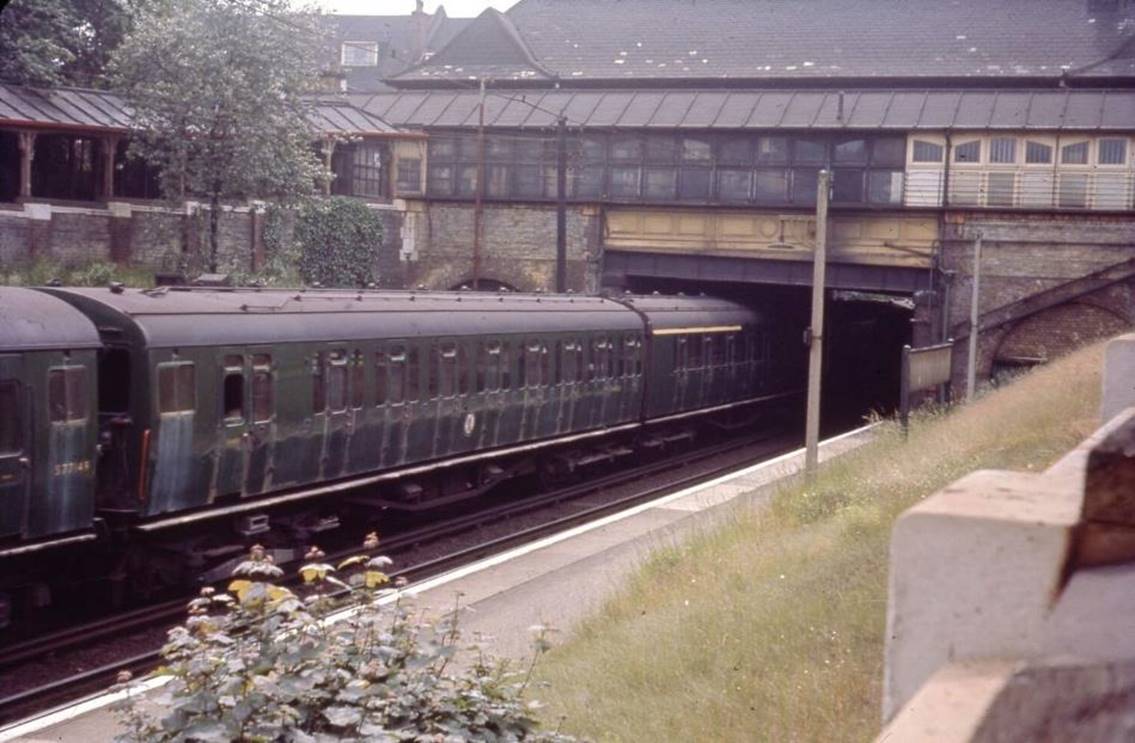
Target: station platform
{"x":558,"y":580}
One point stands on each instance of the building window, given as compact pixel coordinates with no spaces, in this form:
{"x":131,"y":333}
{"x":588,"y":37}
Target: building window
{"x":359,"y":169}
{"x":1003,"y":150}
{"x":1038,"y":153}
{"x":1074,"y":154}
{"x":968,"y":152}
{"x":359,"y":54}
{"x":927,"y":152}
{"x":1001,"y":189}
{"x":409,"y":175}
{"x":1112,"y":152}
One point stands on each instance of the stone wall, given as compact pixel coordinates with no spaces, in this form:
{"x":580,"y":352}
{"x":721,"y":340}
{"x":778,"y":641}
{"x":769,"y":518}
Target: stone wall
{"x":1024,"y":255}
{"x":518,"y":246}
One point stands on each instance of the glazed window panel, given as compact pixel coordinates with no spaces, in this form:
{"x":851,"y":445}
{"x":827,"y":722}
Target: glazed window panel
{"x":888,"y":151}
{"x":772,"y":150}
{"x":177,"y":388}
{"x":413,"y":375}
{"x":263,"y":395}
{"x":358,"y":380}
{"x":1074,"y":154}
{"x":464,"y":371}
{"x":1003,"y":150}
{"x":447,"y":366}
{"x":809,"y":151}
{"x":660,"y":148}
{"x":736,"y":151}
{"x":488,"y":367}
{"x":847,"y":185}
{"x":381,"y":378}
{"x":771,"y":186}
{"x":734,"y":185}
{"x":626,"y":149}
{"x":409,"y":175}
{"x":681,"y":353}
{"x":1112,"y":151}
{"x":885,"y":186}
{"x":319,"y":384}
{"x":659,"y":183}
{"x":11,"y":421}
{"x":850,"y":151}
{"x":625,"y":181}
{"x":571,"y":359}
{"x":695,"y":350}
{"x":927,"y":152}
{"x":396,"y":385}
{"x":497,"y":180}
{"x":696,"y":183}
{"x":337,"y":381}
{"x":1072,"y":190}
{"x":1001,"y":189}
{"x":529,"y":180}
{"x":440,"y":180}
{"x":1038,"y":153}
{"x":697,"y":150}
{"x":968,"y":152}
{"x":467,"y":180}
{"x":805,"y":181}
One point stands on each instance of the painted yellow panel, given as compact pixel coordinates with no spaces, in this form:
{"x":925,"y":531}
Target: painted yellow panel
{"x":868,"y":239}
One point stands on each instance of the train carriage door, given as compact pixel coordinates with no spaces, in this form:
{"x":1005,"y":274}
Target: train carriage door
{"x":262,"y":424}
{"x":336,"y":418}
{"x":232,"y":399}
{"x":15,"y":457}
{"x":70,"y":471}
{"x":172,"y":485}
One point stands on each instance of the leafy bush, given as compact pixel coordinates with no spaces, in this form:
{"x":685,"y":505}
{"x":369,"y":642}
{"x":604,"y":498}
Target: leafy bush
{"x":338,"y":239}
{"x":41,"y":271}
{"x":264,"y":663}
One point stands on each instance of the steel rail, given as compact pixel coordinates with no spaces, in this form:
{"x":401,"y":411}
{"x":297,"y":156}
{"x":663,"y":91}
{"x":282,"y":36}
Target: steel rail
{"x":95,"y":681}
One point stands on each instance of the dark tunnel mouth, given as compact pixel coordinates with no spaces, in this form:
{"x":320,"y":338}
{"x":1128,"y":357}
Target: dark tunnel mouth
{"x":865,"y":332}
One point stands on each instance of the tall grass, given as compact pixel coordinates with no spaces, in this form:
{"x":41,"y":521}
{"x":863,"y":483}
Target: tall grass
{"x":93,"y":273}
{"x":771,"y":626}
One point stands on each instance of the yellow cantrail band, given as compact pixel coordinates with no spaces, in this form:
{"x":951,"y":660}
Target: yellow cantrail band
{"x":705,"y":329}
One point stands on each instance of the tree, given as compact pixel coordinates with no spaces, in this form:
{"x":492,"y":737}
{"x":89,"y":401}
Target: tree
{"x":61,"y":42}
{"x":217,"y":88}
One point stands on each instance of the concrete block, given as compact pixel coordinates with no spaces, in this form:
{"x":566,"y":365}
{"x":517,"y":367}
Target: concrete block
{"x":1118,"y":377}
{"x":975,"y":569}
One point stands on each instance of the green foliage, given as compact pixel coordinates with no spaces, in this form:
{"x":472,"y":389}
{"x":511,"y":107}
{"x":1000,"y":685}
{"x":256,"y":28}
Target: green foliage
{"x":218,"y":92}
{"x":264,"y":663}
{"x":338,"y":240}
{"x":60,"y":42}
{"x":95,"y":273}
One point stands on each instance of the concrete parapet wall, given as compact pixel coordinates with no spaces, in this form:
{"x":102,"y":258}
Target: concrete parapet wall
{"x":999,"y":579}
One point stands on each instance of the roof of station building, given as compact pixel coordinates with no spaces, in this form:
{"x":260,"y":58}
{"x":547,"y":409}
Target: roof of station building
{"x":667,"y":40}
{"x":722,"y":108}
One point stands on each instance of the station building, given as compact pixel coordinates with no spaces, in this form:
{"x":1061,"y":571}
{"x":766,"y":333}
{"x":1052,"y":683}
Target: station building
{"x":694,"y":133}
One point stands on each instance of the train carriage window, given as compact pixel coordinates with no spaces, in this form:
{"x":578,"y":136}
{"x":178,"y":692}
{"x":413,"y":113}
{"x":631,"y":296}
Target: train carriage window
{"x":716,"y":350}
{"x":319,"y":385}
{"x":681,"y":353}
{"x":571,"y":362}
{"x":633,"y":360}
{"x":489,"y":367}
{"x":381,"y":382}
{"x":413,"y":375}
{"x":695,"y":351}
{"x":397,"y":372}
{"x":464,"y":373}
{"x":447,"y":379}
{"x":534,"y":363}
{"x":506,"y":366}
{"x":263,"y":391}
{"x":11,"y":423}
{"x":232,"y":402}
{"x":337,"y":381}
{"x":67,"y":394}
{"x":358,"y":380}
{"x":730,"y":350}
{"x":177,"y":388}
{"x":602,"y":364}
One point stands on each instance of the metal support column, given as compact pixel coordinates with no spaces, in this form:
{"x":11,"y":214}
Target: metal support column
{"x":816,"y":331}
{"x":971,"y":360}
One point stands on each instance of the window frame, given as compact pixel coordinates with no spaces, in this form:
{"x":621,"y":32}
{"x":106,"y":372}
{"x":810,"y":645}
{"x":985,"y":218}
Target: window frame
{"x":372,"y":49}
{"x":175,"y":366}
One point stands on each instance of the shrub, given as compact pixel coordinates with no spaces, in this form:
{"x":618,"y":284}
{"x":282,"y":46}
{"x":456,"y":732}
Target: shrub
{"x":264,"y":663}
{"x":338,"y":240}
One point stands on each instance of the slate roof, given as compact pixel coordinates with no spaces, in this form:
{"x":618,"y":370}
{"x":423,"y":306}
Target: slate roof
{"x":722,"y":108}
{"x":402,"y":40}
{"x":796,"y":40}
{"x":81,"y":109}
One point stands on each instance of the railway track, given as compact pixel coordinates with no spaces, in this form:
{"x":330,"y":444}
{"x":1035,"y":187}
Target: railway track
{"x":691,"y":466}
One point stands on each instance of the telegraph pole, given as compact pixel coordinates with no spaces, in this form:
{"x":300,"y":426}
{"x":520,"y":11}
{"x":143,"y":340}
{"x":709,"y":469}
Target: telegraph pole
{"x":971,"y":361}
{"x":561,"y":205}
{"x":478,"y":206}
{"x":815,"y":334}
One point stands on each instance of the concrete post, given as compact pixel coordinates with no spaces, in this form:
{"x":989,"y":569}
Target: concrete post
{"x":39,"y":229}
{"x":816,"y":332}
{"x":26,"y":142}
{"x":121,"y":231}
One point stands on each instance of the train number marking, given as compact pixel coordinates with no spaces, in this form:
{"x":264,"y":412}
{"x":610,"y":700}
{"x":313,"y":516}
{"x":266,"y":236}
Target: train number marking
{"x":470,"y":424}
{"x":83,"y":466}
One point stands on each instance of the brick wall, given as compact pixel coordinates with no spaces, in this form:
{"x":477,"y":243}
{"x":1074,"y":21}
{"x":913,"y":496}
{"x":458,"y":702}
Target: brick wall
{"x":13,"y":236}
{"x":518,"y":247}
{"x":1024,"y":254}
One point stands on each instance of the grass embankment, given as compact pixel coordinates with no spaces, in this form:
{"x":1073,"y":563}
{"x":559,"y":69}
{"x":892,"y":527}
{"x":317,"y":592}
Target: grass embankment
{"x":771,"y":627}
